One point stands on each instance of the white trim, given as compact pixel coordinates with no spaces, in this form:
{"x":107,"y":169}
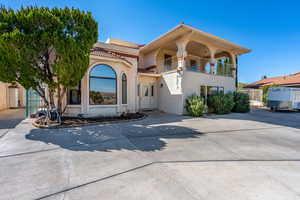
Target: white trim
{"x":74,"y":105}
{"x":104,"y":106}
{"x":88,"y":87}
{"x":111,"y":59}
{"x":148,"y":74}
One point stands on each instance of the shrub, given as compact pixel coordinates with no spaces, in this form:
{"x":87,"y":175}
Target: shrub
{"x":195,"y":105}
{"x":221,"y":103}
{"x":241,"y":102}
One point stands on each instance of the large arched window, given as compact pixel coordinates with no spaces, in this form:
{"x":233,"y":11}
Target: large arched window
{"x":124,"y":89}
{"x":103,"y":85}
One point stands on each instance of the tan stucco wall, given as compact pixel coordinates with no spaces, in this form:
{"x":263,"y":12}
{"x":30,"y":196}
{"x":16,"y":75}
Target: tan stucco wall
{"x":193,"y":80}
{"x":108,"y":110}
{"x":170,"y":93}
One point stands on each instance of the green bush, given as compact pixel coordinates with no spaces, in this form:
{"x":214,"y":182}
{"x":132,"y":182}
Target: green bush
{"x":221,"y":103}
{"x":195,"y":106}
{"x":241,"y":102}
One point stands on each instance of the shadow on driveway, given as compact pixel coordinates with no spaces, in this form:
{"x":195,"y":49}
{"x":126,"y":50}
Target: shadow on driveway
{"x":124,"y":136}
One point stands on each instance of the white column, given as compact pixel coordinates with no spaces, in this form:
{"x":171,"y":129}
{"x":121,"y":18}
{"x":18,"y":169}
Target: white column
{"x":212,"y":59}
{"x":181,"y":53}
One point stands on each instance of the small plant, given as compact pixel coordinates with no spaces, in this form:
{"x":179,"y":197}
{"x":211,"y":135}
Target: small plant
{"x":195,"y":105}
{"x":242,"y":103}
{"x":221,"y":103}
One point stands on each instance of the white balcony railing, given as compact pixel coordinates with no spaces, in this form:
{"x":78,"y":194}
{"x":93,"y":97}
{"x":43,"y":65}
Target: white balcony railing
{"x":199,"y":64}
{"x":170,"y":64}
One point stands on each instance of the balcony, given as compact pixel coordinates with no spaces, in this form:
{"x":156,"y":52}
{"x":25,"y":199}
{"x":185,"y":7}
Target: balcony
{"x":222,"y":67}
{"x":170,"y":63}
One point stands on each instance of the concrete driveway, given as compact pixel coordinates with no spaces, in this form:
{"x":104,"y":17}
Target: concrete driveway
{"x":236,"y":156}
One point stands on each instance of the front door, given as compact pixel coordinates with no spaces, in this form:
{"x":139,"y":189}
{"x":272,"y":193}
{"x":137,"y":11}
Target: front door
{"x":148,"y":99}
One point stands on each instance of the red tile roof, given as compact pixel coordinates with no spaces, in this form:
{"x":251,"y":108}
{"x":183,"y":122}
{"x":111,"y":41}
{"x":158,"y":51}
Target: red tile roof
{"x":293,"y":79}
{"x":97,"y":51}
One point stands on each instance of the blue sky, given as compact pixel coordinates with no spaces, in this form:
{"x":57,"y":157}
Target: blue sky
{"x":271,"y":29}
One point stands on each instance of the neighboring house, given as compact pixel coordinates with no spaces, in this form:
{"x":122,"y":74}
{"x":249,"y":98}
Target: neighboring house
{"x":292,"y":80}
{"x":127,"y":77}
{"x":11,"y":96}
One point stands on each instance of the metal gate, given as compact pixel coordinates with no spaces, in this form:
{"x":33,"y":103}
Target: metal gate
{"x":33,"y":102}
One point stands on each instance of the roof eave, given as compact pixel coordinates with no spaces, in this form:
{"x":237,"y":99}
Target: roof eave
{"x":238,"y":50}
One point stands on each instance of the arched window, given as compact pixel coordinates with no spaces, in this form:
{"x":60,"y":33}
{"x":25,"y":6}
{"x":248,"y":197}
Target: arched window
{"x":124,"y":89}
{"x":103,"y":85}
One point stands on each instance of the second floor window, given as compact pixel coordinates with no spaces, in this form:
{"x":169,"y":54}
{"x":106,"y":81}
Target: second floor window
{"x":193,"y":65}
{"x":168,"y":62}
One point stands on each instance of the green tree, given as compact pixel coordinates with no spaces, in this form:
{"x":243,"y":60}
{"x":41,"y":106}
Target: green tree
{"x":45,"y":48}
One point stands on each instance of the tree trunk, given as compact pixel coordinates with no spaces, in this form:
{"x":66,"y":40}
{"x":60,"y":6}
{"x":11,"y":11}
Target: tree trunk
{"x":51,"y":98}
{"x":59,"y":99}
{"x":42,"y":95}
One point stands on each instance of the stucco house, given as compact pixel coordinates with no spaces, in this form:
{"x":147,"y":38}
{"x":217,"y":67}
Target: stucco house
{"x":292,"y":80}
{"x":128,"y":77}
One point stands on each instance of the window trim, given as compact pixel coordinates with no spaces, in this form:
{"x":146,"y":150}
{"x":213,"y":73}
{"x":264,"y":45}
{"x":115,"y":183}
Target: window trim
{"x":101,"y":77}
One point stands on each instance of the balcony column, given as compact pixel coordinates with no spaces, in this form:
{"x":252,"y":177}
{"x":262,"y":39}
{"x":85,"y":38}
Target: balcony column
{"x":181,"y":53}
{"x":212,"y":61}
{"x":233,"y":66}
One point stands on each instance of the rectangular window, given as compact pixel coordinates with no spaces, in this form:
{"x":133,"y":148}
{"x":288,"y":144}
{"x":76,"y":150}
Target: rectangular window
{"x":146,"y":92}
{"x":203,"y":93}
{"x":152,"y":90}
{"x":168,"y":62}
{"x":74,"y":95}
{"x":221,"y":89}
{"x":193,"y":65}
{"x":211,"y":90}
{"x":206,"y":91}
{"x":138,"y":90}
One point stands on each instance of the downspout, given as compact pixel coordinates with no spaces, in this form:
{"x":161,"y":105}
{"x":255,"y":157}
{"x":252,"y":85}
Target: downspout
{"x":236,"y":73}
